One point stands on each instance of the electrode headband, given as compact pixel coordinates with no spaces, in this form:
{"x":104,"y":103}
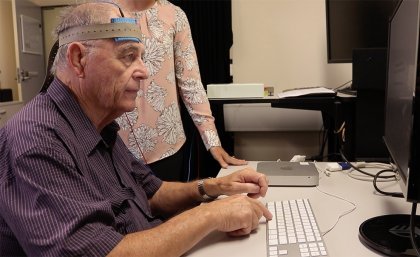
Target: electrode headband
{"x":120,"y":29}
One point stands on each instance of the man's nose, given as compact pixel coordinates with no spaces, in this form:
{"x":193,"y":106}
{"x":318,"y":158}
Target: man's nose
{"x":141,"y":72}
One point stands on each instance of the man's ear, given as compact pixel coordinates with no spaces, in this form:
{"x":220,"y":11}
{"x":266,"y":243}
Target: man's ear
{"x":76,"y":57}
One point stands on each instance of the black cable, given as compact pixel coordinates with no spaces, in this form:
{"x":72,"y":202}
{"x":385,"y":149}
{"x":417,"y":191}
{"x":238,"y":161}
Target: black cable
{"x":322,"y":140}
{"x":342,"y":85}
{"x":393,"y":194}
{"x":413,"y":227}
{"x":49,"y":77}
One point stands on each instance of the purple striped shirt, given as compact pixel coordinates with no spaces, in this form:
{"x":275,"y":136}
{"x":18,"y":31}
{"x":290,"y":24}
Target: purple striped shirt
{"x":65,"y":189}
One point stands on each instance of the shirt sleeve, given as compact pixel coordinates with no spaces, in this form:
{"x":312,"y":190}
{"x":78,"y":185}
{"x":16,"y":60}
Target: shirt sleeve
{"x":142,"y":174}
{"x":52,"y":210}
{"x":189,"y":82}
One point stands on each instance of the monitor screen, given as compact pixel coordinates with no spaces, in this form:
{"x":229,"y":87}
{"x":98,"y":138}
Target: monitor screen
{"x":402,"y":134}
{"x":356,"y":24}
{"x":400,"y":110}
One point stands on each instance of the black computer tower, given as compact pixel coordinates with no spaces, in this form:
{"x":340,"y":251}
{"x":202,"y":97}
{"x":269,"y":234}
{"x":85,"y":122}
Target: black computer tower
{"x":369,"y":80}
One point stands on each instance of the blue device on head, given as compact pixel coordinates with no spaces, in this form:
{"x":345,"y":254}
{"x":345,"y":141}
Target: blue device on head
{"x":125,"y":20}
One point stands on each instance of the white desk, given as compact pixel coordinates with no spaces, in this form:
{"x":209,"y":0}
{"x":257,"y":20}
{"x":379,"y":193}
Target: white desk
{"x":342,"y":241}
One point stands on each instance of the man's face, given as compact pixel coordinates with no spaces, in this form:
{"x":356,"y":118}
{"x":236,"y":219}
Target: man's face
{"x":113,"y":74}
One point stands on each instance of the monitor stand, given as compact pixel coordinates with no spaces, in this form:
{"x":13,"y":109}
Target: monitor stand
{"x":389,"y":234}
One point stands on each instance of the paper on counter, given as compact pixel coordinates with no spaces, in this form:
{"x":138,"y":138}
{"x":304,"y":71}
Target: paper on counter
{"x":306,"y":91}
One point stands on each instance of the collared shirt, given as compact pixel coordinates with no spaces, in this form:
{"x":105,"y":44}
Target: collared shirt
{"x":65,"y":189}
{"x":155,"y":125}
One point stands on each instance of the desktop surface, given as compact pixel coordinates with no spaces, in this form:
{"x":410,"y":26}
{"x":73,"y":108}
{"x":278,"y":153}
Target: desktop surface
{"x":342,"y":240}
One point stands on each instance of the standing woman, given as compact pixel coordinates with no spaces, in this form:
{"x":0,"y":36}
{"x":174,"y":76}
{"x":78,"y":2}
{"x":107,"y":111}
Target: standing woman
{"x":153,"y":131}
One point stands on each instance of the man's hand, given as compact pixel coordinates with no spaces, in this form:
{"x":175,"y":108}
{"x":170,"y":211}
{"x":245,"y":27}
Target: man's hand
{"x":224,"y":159}
{"x":243,"y":181}
{"x":238,"y":215}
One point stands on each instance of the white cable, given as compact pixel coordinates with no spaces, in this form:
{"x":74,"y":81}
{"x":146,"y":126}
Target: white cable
{"x":341,"y":215}
{"x":322,"y":170}
{"x":354,"y":176}
{"x":364,"y":177}
{"x":378,"y":165}
{"x":367,"y":178}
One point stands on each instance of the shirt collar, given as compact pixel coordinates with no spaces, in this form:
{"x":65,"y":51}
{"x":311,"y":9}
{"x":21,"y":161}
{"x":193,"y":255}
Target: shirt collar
{"x":82,"y":126}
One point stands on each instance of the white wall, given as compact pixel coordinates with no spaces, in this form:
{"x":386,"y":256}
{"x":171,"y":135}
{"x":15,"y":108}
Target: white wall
{"x":50,"y":20}
{"x":7,"y":46}
{"x":281,"y":43}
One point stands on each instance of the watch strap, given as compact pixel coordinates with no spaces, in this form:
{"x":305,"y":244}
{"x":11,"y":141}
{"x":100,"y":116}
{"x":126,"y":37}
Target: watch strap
{"x":203,"y":193}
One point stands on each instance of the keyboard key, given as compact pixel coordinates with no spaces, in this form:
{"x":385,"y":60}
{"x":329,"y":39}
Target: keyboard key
{"x":282,"y":252}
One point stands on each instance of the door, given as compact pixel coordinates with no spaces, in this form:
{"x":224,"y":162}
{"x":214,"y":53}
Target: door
{"x":29,"y":47}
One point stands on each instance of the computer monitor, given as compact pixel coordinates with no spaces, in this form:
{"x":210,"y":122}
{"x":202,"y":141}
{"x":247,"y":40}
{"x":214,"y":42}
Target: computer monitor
{"x":356,"y":24}
{"x":401,"y":109}
{"x":388,"y":234}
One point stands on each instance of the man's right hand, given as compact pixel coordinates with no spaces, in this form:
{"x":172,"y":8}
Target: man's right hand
{"x":238,"y":214}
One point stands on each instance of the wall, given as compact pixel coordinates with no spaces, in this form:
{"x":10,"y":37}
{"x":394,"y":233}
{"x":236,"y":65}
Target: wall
{"x":281,"y":43}
{"x":7,"y":46}
{"x":50,"y":20}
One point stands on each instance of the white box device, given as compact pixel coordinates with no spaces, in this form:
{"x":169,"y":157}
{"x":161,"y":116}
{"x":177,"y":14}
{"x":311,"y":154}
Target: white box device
{"x":235,"y":90}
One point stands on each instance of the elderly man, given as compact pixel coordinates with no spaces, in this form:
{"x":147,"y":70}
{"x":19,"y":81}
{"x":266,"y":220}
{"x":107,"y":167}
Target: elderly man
{"x":68,"y":184}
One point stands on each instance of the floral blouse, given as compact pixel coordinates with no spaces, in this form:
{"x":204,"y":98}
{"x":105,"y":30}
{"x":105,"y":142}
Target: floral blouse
{"x":155,"y":124}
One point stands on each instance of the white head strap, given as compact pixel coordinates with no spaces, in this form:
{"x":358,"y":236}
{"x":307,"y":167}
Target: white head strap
{"x":120,"y":29}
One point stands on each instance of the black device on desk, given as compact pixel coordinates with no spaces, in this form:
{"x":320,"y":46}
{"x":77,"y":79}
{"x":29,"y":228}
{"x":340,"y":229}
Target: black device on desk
{"x":357,"y":33}
{"x":389,"y":234}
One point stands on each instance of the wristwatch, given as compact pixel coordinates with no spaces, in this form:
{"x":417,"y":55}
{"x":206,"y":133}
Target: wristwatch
{"x":203,"y":193}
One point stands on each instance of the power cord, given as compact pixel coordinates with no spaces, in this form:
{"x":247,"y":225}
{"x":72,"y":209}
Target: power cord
{"x":362,"y":177}
{"x":376,"y":165}
{"x":346,"y":89}
{"x":322,"y":141}
{"x":342,"y":86}
{"x":393,"y":194}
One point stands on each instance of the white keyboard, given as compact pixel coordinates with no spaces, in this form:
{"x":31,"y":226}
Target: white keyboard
{"x":293,"y":231}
